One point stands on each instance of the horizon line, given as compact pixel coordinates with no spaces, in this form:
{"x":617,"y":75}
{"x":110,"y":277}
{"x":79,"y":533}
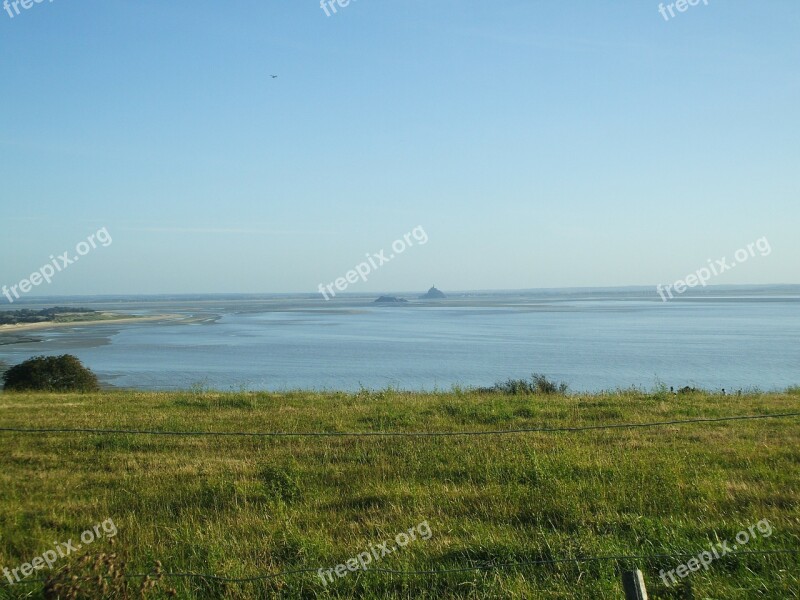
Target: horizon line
{"x":694,"y":291}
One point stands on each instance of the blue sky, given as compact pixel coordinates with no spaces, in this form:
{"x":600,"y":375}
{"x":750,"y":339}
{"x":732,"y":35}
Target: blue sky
{"x":539,"y":144}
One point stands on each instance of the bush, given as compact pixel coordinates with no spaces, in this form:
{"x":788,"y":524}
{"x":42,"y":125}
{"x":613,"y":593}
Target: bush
{"x":50,"y":374}
{"x":688,"y":390}
{"x":537,"y":384}
{"x":543,"y":385}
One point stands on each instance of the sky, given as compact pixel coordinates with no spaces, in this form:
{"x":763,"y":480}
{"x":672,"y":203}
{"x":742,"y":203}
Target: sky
{"x":537,"y":144}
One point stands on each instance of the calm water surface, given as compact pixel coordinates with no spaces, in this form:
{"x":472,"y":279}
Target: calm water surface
{"x":591,"y":339}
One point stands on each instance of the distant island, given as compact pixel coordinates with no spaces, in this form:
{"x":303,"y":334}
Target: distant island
{"x":433,"y":294}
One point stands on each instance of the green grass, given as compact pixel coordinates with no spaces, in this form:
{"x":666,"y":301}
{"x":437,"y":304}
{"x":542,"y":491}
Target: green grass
{"x":240,"y":507}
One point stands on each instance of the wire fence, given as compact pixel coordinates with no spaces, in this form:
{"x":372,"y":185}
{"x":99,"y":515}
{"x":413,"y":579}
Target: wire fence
{"x":414,"y":434}
{"x":434,"y":572}
{"x":67,"y":430}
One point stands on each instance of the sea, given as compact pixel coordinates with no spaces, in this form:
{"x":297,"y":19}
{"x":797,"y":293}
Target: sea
{"x":732,"y":338}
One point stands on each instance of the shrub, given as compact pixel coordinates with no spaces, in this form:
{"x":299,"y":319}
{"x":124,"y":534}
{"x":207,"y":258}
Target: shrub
{"x":543,"y":385}
{"x":50,"y":374}
{"x":688,"y":390}
{"x":537,"y":384}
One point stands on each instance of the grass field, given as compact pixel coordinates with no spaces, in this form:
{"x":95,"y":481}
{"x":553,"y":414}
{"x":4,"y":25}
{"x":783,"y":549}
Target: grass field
{"x":242,"y":506}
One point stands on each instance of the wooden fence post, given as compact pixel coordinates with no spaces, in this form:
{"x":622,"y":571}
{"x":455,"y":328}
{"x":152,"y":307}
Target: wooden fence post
{"x":633,"y":584}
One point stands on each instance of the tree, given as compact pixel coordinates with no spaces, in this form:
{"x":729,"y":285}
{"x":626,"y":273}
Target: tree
{"x":63,"y":373}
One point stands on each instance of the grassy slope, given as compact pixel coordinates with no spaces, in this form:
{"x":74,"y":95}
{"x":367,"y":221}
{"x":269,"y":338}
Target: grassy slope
{"x":241,"y":507}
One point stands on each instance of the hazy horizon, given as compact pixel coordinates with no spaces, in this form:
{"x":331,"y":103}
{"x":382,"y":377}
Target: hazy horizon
{"x":647,"y":291}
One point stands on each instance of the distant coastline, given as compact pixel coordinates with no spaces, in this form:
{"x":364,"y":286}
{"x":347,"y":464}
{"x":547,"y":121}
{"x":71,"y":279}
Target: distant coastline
{"x":108,"y":319}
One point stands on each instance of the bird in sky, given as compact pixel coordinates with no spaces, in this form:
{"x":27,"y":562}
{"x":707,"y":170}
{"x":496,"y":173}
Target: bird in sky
{"x":274,"y":76}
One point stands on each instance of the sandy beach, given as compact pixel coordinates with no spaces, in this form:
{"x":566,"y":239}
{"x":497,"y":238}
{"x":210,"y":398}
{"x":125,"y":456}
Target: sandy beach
{"x":111,"y":321}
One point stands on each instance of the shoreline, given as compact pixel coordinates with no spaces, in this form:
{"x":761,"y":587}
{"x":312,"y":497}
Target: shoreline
{"x":113,"y":321}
